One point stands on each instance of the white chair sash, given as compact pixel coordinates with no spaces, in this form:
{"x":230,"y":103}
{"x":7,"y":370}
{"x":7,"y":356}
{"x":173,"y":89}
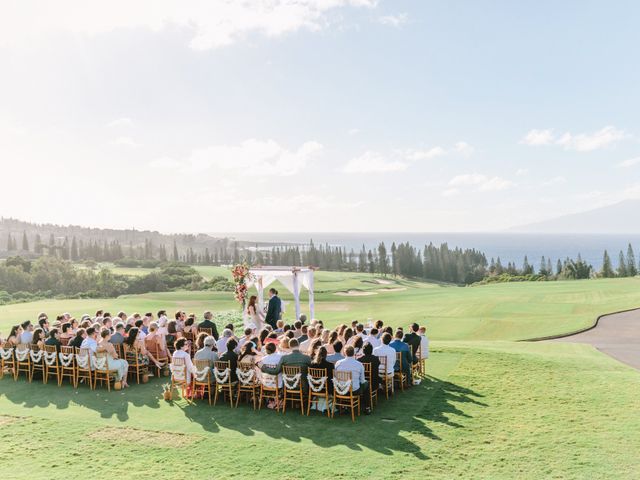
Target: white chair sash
{"x":246,"y":377}
{"x":342,"y":388}
{"x":22,"y":355}
{"x":221,"y":376}
{"x":100,"y":363}
{"x":269,"y":381}
{"x":179,"y":373}
{"x":291,"y":382}
{"x":201,"y":375}
{"x":50,"y":358}
{"x":317,"y":385}
{"x":66,"y":359}
{"x":83,"y":361}
{"x":6,"y":353}
{"x":36,"y":356}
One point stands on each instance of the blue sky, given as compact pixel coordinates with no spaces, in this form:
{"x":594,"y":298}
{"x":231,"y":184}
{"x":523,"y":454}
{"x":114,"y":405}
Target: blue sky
{"x":317,"y":115}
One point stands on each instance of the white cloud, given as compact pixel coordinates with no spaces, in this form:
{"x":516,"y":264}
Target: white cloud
{"x":120,"y":122}
{"x":521,"y":172}
{"x":559,"y":180}
{"x":213,"y":23}
{"x":629,"y":163}
{"x":538,"y":137}
{"x":252,"y":157}
{"x":434,"y":152}
{"x":463,"y":148}
{"x":126,"y":142}
{"x":480,"y":183}
{"x":580,"y":142}
{"x":373,"y":162}
{"x":353,"y":131}
{"x":394,"y":20}
{"x":451,"y":192}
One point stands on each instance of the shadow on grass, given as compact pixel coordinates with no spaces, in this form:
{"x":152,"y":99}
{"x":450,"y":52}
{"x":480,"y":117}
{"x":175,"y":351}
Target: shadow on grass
{"x":395,"y":425}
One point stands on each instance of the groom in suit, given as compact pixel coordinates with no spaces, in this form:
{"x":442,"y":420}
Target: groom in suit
{"x":274,"y":309}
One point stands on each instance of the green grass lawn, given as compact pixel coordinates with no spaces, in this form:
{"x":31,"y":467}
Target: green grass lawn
{"x":489,"y":410}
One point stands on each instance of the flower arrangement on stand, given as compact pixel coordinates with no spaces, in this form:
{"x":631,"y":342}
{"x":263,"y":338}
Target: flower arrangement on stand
{"x":240,"y":273}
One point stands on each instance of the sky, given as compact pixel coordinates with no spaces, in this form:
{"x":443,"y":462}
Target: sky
{"x":316,"y":115}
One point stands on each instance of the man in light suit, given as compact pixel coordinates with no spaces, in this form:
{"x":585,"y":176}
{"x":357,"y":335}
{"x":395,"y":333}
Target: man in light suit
{"x":274,"y":309}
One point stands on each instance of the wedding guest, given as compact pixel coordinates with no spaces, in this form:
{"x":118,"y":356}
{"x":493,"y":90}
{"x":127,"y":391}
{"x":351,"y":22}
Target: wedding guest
{"x":313,"y":349}
{"x":302,"y":319}
{"x":413,"y":340}
{"x":44,"y":325}
{"x":303,"y":334}
{"x":359,"y":383}
{"x":76,"y":342}
{"x":305,"y":344}
{"x":297,"y":330}
{"x":337,"y":355}
{"x":346,"y":336}
{"x":207,"y":352}
{"x":248,"y":333}
{"x":221,"y":345}
{"x":207,"y":323}
{"x":283,"y":346}
{"x":405,"y":354}
{"x":232,"y":357}
{"x":320,"y":361}
{"x":67,"y":333}
{"x":271,"y":358}
{"x":54,"y":339}
{"x":182,"y":351}
{"x":156,"y":341}
{"x":172,"y":334}
{"x":14,"y":335}
{"x":369,"y":357}
{"x":38,"y":338}
{"x":189,"y":326}
{"x":373,"y":338}
{"x":180,"y":318}
{"x":118,"y":337}
{"x":199,"y":343}
{"x":424,"y":342}
{"x":27,"y":333}
{"x":90,"y":341}
{"x":134,"y":341}
{"x":249,"y":354}
{"x":121,"y":366}
{"x":386,"y":351}
{"x":357,"y":346}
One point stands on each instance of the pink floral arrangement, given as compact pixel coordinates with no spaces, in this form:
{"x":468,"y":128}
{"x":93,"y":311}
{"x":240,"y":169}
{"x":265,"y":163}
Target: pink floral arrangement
{"x":240,"y":273}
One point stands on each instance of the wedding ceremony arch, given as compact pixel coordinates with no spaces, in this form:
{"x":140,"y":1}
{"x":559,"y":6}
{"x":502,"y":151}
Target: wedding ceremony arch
{"x":292,"y":278}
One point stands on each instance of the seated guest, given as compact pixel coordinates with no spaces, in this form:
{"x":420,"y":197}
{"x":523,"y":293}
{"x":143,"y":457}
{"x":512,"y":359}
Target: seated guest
{"x":207,"y":323}
{"x":91,"y":340}
{"x":27,"y":333}
{"x":303,"y":335}
{"x":67,"y":333}
{"x":357,"y":346}
{"x":189,"y":325}
{"x":283,"y":346}
{"x":360,"y":331}
{"x":399,"y":346}
{"x":54,"y":339}
{"x":43,"y":322}
{"x":248,"y":334}
{"x":172,"y":333}
{"x":14,"y":335}
{"x":413,"y":340}
{"x":118,"y":337}
{"x":369,"y":357}
{"x":221,"y":345}
{"x":320,"y":361}
{"x":333,"y":336}
{"x":139,"y":324}
{"x":113,"y":362}
{"x":146,"y":321}
{"x":249,"y":354}
{"x":182,"y":351}
{"x":359,"y":383}
{"x":279,"y":327}
{"x":207,"y":352}
{"x":134,"y":342}
{"x":199,"y":343}
{"x":372,"y":338}
{"x":232,"y":357}
{"x":378,"y":326}
{"x":306,"y":344}
{"x":294,"y":359}
{"x":107,"y":323}
{"x":76,"y":342}
{"x":302,"y":319}
{"x":346,"y":336}
{"x":315,"y":345}
{"x":74,"y":325}
{"x":297,"y":330}
{"x":155,"y":341}
{"x":272,"y":338}
{"x":337,"y":355}
{"x":38,"y":338}
{"x":271,"y":358}
{"x":384,"y":350}
{"x":264,"y":333}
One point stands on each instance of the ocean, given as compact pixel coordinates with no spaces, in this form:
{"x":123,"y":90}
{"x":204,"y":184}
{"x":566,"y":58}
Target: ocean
{"x":510,"y":247}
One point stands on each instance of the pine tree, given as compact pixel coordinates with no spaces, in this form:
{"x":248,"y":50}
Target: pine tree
{"x":25,"y":242}
{"x":372,"y":264}
{"x":394,"y":261}
{"x":622,"y":265}
{"x":74,"y":254}
{"x":526,"y":268}
{"x":37,"y":248}
{"x":9,"y":243}
{"x":176,"y":256}
{"x":382,"y":259}
{"x":632,"y":270}
{"x":607,"y":269}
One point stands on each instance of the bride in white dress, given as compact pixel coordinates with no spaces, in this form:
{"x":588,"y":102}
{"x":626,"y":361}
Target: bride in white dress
{"x":254,"y":315}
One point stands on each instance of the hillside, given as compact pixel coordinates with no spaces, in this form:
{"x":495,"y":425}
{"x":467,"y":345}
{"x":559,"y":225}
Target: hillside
{"x":616,"y":218}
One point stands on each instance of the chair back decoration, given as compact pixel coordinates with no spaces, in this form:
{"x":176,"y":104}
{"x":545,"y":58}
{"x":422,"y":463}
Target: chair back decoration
{"x":246,"y":375}
{"x":178,"y":370}
{"x":6,"y":352}
{"x":36,"y":354}
{"x":66,"y":356}
{"x":291,"y":377}
{"x":50,"y":355}
{"x":268,"y":380}
{"x":342,"y":382}
{"x":83,"y":358}
{"x":22,"y":352}
{"x":101,"y":361}
{"x":221,"y":372}
{"x":202,"y":371}
{"x":317,"y":379}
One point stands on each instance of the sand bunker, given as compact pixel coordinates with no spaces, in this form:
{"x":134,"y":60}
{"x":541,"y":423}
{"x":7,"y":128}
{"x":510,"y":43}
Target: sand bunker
{"x":394,"y":289}
{"x":355,"y":293}
{"x":383,"y":282}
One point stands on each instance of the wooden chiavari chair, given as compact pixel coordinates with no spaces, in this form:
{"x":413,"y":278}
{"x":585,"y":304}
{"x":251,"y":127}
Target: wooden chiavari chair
{"x":22,"y":354}
{"x":201,"y":379}
{"x":373,"y":392}
{"x":7,"y":359}
{"x":67,"y":365}
{"x":343,"y":394}
{"x":179,"y":376}
{"x":399,"y":376}
{"x":247,"y":383}
{"x":83,"y":366}
{"x":421,"y":370}
{"x":37,"y":362}
{"x":222,"y":376}
{"x":162,"y":356}
{"x":269,"y":388}
{"x":102,"y":373}
{"x":386,"y":379}
{"x":292,"y":386}
{"x":136,"y":367}
{"x":51,"y":363}
{"x":318,"y":388}
{"x":208,"y":331}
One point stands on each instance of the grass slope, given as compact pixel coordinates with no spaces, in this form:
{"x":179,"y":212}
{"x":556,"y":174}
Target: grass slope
{"x":490,"y":410}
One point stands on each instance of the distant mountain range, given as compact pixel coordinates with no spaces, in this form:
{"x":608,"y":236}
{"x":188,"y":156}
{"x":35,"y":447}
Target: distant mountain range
{"x":622,"y":217}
